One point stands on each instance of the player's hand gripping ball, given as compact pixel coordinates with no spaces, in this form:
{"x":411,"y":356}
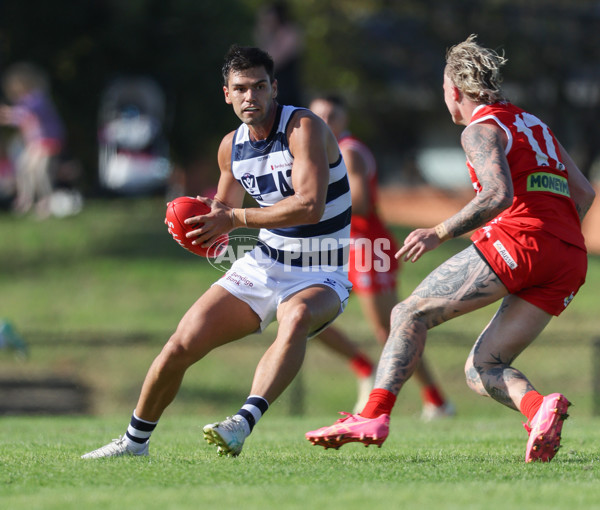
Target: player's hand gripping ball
{"x":178,"y":211}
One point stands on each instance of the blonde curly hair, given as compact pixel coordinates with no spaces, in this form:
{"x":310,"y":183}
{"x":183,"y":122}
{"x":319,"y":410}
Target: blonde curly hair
{"x":475,"y":71}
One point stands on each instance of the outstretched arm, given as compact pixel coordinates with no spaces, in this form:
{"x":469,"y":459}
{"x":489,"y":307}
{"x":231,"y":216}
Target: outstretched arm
{"x":484,"y":146}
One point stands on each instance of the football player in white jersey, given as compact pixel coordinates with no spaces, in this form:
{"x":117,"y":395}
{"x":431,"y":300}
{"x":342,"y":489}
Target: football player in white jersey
{"x":307,"y":204}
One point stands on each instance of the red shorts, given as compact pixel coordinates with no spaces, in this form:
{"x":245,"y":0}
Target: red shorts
{"x":372,"y":266}
{"x":536,"y":266}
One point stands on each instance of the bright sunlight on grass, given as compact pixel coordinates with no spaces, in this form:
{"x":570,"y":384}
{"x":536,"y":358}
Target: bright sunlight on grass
{"x":95,"y":297}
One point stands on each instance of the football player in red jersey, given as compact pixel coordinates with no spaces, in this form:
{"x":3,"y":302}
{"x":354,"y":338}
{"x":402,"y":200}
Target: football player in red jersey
{"x":528,"y":251}
{"x":373,"y":270}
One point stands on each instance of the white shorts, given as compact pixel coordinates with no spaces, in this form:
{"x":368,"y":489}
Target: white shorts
{"x":263,"y":284}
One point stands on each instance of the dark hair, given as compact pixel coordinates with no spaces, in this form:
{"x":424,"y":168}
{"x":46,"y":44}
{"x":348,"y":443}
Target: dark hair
{"x":240,"y":58}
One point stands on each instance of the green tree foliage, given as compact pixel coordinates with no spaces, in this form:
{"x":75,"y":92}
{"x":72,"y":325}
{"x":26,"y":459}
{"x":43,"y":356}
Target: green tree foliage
{"x":386,"y":57}
{"x":84,"y":45}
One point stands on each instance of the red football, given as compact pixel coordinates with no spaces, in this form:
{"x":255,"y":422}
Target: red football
{"x":178,"y":211}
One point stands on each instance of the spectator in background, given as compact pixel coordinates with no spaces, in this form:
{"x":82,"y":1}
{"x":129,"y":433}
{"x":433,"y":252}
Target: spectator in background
{"x":7,"y":174}
{"x":375,"y":286}
{"x":32,"y":111}
{"x":281,"y":38}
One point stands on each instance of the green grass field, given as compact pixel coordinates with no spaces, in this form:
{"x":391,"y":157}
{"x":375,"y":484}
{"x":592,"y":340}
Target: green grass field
{"x":95,"y":296}
{"x":462,"y":463}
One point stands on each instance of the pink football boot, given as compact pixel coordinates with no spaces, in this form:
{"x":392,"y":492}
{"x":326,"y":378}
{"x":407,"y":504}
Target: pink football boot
{"x":544,"y":432}
{"x":352,"y":428}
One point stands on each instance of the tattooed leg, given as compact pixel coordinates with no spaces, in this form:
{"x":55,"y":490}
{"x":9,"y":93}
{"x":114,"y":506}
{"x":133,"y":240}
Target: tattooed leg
{"x":462,"y":284}
{"x":488,"y":369}
{"x":403,"y":349}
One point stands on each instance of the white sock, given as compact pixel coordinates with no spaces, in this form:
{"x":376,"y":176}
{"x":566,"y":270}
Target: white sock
{"x":253,"y":410}
{"x":138,"y":433}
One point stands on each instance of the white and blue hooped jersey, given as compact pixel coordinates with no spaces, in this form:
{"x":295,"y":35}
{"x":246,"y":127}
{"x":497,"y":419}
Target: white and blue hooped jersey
{"x":264,"y":169}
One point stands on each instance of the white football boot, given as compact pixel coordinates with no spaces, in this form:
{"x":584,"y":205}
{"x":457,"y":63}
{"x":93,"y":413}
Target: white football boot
{"x":228,"y":435}
{"x":117,"y":448}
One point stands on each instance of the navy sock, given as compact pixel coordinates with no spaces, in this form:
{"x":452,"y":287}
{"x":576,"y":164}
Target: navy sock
{"x":139,"y":430}
{"x":253,"y":410}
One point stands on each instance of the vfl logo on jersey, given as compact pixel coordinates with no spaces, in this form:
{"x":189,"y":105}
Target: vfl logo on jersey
{"x":542,"y":181}
{"x":505,"y":255}
{"x":249,"y":182}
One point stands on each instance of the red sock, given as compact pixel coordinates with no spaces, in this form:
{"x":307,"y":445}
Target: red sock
{"x":432,"y":395}
{"x":530,"y":403}
{"x":380,"y":402}
{"x":361,"y":365}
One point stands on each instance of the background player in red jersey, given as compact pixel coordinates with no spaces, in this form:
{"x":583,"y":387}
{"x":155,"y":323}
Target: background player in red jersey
{"x":528,"y":251}
{"x":373,"y":270}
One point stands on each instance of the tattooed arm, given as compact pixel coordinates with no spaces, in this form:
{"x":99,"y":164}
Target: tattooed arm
{"x":484,"y":145}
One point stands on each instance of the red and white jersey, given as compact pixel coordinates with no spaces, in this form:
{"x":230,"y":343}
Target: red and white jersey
{"x":362,"y":225}
{"x":372,"y":265}
{"x":541,"y":191}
